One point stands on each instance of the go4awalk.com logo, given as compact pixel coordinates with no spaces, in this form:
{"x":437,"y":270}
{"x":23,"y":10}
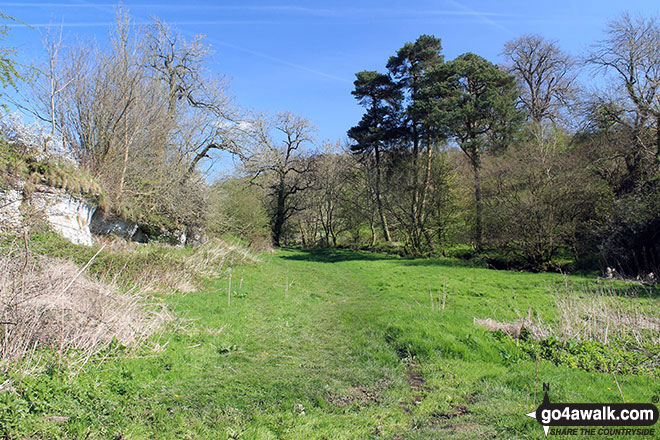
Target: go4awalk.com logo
{"x":608,"y":419}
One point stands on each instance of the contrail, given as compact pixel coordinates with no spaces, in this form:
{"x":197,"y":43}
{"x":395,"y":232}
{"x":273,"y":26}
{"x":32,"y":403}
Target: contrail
{"x":110,"y":23}
{"x":327,"y":12}
{"x":482,"y":16}
{"x":279,"y":60}
{"x":249,"y":51}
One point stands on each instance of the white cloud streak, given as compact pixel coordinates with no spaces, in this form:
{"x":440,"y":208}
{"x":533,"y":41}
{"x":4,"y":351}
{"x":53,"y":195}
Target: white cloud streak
{"x":484,"y":17}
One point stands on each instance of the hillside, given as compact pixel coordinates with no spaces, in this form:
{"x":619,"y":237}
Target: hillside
{"x":351,"y":349}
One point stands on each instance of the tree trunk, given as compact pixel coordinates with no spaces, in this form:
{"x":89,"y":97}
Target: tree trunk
{"x":415,"y":211}
{"x":52,"y":107}
{"x":479,"y":208}
{"x":302,"y":234}
{"x":280,"y":214}
{"x":425,"y":193}
{"x":379,"y":203}
{"x":124,"y":162}
{"x":657,"y":133}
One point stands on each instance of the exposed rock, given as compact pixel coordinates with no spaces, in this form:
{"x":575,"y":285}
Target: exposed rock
{"x":10,"y":202}
{"x":195,"y":236}
{"x":76,"y":218}
{"x":103,"y":224}
{"x":68,"y":215}
{"x":140,"y":236}
{"x":174,"y":237}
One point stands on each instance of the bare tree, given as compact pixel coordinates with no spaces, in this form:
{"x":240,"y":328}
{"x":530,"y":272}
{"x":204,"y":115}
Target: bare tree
{"x":332,"y":175}
{"x":546,"y":78}
{"x":631,"y":54}
{"x":278,"y":157}
{"x":203,"y":113}
{"x":46,"y":86}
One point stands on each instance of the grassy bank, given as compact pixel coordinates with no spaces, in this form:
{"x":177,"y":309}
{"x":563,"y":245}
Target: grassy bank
{"x":335,"y":345}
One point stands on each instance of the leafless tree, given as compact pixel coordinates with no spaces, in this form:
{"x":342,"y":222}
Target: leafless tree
{"x":546,"y":78}
{"x":198,"y":104}
{"x":332,"y":175}
{"x":46,"y":86}
{"x":631,"y":55}
{"x":279,"y":157}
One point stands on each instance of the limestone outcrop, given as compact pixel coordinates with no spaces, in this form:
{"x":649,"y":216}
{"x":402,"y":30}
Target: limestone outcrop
{"x":68,"y":215}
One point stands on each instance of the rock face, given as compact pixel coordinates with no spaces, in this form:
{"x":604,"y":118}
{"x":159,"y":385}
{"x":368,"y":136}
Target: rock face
{"x":76,"y":218}
{"x":102,"y":224}
{"x":10,"y":203}
{"x":68,"y":215}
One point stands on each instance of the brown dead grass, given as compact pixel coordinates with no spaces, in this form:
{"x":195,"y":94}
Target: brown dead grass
{"x":77,"y":310}
{"x":159,"y":267}
{"x":47,"y":302}
{"x":514,"y":328}
{"x":216,"y":254}
{"x":599,"y":315}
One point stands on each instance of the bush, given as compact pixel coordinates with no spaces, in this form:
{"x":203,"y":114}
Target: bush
{"x":50,"y":303}
{"x":633,"y":245}
{"x":239,"y":209}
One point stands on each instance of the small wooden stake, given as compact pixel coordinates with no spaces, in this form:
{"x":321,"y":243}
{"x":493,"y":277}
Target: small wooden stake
{"x":617,"y":385}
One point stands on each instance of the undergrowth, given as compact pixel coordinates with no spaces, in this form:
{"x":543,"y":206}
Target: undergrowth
{"x":603,"y":328}
{"x":32,"y":169}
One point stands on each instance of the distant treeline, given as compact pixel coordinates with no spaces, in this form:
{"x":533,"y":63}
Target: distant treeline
{"x":519,"y":164}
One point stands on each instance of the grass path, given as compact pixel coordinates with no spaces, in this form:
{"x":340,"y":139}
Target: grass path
{"x":352,"y":349}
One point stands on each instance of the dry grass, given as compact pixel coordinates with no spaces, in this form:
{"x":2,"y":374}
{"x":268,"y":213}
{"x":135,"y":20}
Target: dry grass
{"x":515,"y":328}
{"x":603,"y":315}
{"x":49,"y":303}
{"x":76,"y":311}
{"x":208,"y":258}
{"x":159,"y":267}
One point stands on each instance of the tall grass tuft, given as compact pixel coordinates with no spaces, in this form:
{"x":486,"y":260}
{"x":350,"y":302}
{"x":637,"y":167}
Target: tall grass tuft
{"x":603,"y":314}
{"x":48,"y":303}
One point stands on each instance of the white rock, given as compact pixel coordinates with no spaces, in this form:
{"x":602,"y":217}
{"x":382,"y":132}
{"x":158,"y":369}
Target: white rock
{"x":103,"y":224}
{"x":67,"y":215}
{"x":10,"y":202}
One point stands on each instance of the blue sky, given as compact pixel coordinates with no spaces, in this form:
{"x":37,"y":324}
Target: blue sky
{"x":302,"y":56}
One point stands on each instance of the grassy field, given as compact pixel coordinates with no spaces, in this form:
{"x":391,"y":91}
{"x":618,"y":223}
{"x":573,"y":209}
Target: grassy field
{"x":327,"y":345}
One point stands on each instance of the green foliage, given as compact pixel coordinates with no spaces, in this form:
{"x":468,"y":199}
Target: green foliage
{"x":352,"y":349}
{"x":633,"y":244}
{"x":535,"y":210}
{"x":616,"y":357}
{"x":475,"y":101}
{"x":239,"y":209}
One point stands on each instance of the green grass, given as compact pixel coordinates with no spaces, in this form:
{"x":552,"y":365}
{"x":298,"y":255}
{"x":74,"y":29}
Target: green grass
{"x":353,"y":350}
